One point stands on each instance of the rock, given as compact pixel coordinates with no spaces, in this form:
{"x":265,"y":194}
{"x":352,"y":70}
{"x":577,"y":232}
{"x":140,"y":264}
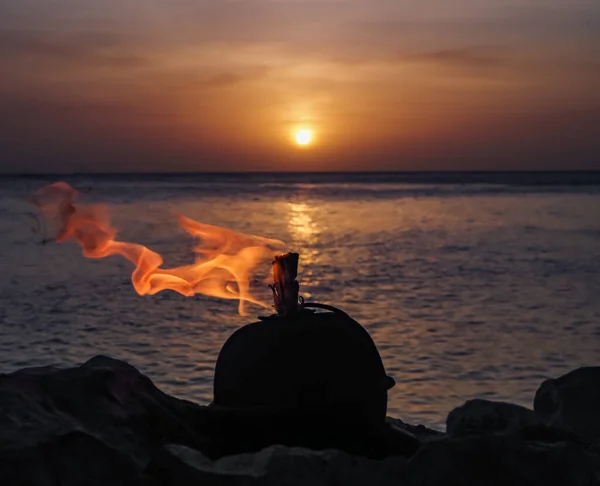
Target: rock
{"x":421,"y":432}
{"x":486,"y":417}
{"x":71,"y":459}
{"x":236,"y":432}
{"x":572,"y":402}
{"x":104,"y":423}
{"x":276,"y":465}
{"x":103,"y":416}
{"x":498,"y":460}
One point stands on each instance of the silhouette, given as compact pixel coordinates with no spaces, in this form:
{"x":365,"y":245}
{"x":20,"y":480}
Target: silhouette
{"x":307,"y":379}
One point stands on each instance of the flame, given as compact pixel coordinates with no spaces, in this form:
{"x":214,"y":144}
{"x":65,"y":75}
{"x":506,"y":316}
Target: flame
{"x":225,"y":260}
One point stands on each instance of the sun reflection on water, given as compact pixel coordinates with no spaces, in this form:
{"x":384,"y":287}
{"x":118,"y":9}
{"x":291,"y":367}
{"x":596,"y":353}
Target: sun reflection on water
{"x":304,"y":232}
{"x":302,"y":227}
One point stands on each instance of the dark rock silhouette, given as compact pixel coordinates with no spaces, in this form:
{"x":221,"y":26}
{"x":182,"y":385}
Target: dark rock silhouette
{"x":572,"y":402}
{"x":496,"y":460}
{"x":104,"y":423}
{"x":101,"y":421}
{"x":483,"y":416}
{"x":276,"y":465}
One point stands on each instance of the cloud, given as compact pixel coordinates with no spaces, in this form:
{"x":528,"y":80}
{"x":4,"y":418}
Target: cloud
{"x":142,"y":76}
{"x":90,"y":48}
{"x":476,"y":57}
{"x":226,"y":79}
{"x":472,"y":58}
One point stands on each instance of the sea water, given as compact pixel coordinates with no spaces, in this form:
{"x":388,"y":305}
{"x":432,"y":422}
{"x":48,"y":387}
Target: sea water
{"x":470,"y":286}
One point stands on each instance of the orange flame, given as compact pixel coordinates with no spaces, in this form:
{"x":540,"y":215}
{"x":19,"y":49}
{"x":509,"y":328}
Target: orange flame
{"x":224,"y":265}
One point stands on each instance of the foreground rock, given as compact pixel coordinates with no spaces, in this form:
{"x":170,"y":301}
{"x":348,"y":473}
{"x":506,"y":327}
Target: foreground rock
{"x":96,"y":424}
{"x":486,"y":417}
{"x":572,"y":402}
{"x":104,"y":423}
{"x":495,"y":460}
{"x":275,"y":465}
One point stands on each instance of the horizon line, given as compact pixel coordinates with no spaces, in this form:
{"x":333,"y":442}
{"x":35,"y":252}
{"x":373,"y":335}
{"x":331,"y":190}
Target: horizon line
{"x":261,"y":172}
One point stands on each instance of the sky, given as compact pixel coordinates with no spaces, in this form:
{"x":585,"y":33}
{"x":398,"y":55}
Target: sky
{"x":223,"y":85}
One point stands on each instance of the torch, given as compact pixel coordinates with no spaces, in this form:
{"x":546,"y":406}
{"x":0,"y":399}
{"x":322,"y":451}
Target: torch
{"x":308,"y":376}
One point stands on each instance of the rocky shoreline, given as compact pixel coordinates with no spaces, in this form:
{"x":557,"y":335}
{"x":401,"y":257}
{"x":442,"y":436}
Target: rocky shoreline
{"x":104,"y":423}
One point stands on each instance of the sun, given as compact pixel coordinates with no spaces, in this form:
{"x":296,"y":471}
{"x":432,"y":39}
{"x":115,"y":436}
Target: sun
{"x":303,"y":137}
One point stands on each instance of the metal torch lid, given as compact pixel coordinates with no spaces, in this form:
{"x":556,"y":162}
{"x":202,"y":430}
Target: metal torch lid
{"x":307,"y":359}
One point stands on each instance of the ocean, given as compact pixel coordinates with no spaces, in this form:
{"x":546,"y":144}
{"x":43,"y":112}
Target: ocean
{"x":471,"y":285}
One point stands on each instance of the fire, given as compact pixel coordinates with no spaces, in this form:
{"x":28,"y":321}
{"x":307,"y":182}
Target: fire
{"x":225,"y":260}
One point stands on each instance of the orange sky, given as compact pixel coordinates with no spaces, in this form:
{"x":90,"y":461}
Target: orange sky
{"x":221,"y":85}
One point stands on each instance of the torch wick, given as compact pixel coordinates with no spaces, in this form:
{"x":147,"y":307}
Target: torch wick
{"x":285,"y":286}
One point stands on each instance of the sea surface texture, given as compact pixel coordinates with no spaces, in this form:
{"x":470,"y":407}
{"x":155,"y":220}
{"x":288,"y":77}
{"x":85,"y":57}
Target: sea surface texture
{"x":471,"y":286}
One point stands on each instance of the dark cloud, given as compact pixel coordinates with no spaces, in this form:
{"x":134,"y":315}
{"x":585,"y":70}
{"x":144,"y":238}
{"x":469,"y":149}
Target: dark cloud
{"x":477,"y":57}
{"x":92,"y":48}
{"x":229,"y":78}
{"x":462,"y":58}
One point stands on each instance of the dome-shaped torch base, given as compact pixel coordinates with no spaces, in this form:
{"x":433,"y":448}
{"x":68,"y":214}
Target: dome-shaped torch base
{"x":309,"y":379}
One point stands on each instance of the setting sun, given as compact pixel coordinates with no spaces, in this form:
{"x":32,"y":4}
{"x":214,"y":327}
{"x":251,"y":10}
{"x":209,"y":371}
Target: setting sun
{"x":303,"y":137}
